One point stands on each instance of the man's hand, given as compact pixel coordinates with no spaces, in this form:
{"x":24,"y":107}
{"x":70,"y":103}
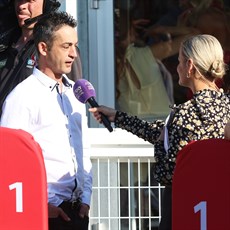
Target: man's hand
{"x":54,"y":212}
{"x":84,"y":210}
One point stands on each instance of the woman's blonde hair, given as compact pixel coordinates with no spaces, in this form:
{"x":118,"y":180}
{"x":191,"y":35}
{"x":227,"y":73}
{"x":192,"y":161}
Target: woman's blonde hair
{"x":207,"y":54}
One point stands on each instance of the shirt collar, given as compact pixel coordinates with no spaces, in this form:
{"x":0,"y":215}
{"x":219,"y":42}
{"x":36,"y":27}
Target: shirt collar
{"x":49,"y":82}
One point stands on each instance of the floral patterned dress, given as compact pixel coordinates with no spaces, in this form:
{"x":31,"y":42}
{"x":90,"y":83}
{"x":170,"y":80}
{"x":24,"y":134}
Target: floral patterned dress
{"x":202,"y":117}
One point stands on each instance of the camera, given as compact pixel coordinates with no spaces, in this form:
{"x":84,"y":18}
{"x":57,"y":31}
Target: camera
{"x":50,"y":6}
{"x":9,"y":28}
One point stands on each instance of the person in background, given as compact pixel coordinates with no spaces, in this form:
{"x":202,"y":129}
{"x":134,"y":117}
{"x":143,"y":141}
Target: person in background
{"x":211,"y":17}
{"x":141,"y":77}
{"x":204,"y":116}
{"x":44,"y":105}
{"x":17,"y":53}
{"x":167,"y":23}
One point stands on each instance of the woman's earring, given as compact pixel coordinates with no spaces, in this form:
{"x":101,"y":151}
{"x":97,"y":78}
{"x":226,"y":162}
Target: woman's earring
{"x":188,"y":75}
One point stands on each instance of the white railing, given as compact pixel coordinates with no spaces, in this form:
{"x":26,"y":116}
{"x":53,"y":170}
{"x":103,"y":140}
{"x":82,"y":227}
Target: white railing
{"x":125,"y":195}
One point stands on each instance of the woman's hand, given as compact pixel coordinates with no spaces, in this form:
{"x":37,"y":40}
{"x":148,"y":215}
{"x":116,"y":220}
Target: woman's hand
{"x":109,"y":112}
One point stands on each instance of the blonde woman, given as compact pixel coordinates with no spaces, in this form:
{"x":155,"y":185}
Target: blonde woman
{"x":204,"y":116}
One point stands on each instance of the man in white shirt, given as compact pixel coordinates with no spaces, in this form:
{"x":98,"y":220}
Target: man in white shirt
{"x":45,"y":106}
{"x":17,"y":48}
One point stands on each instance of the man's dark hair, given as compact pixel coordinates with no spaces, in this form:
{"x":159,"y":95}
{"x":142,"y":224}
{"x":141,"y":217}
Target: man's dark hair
{"x":45,"y":28}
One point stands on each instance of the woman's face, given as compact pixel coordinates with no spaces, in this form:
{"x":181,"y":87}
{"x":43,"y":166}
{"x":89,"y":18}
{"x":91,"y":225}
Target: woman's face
{"x":182,"y":70}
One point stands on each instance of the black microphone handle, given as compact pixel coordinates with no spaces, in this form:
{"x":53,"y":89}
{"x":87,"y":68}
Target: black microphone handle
{"x":105,"y":119}
{"x":30,"y":21}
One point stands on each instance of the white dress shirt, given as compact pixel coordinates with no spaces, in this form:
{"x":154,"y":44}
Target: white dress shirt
{"x":58,"y":122}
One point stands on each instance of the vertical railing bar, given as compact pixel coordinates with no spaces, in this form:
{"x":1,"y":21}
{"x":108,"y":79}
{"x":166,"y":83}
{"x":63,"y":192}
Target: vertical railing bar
{"x":109,"y":190}
{"x":99,"y":192}
{"x":159,"y":203}
{"x":129,"y":194}
{"x":139,"y":193}
{"x":132,"y":197}
{"x":149,"y":194}
{"x":119,"y":192}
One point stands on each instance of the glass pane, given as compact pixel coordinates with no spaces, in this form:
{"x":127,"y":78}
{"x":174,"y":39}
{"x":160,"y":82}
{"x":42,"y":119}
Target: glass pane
{"x":148,"y":34}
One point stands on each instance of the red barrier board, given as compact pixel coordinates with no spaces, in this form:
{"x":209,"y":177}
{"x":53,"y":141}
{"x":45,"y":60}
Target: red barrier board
{"x":23,"y":185}
{"x":201,"y":186}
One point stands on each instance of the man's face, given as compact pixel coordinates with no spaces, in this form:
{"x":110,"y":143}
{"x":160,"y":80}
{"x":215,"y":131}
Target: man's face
{"x":26,"y":9}
{"x":59,"y":58}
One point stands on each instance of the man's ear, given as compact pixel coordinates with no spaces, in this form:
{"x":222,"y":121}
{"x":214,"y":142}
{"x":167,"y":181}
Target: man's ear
{"x":42,"y":47}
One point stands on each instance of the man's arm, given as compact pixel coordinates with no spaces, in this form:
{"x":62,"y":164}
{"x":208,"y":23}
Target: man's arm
{"x":87,"y":166}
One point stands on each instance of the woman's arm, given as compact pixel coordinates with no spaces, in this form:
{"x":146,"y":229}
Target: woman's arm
{"x":146,"y":130}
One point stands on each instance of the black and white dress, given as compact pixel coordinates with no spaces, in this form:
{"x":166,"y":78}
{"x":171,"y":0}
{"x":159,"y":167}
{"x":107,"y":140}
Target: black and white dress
{"x":202,"y":117}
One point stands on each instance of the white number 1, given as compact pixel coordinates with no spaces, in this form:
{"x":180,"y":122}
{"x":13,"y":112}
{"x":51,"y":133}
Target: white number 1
{"x":202,"y":207}
{"x":18,"y":187}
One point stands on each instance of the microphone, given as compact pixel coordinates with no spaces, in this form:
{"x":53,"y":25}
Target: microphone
{"x":30,"y":21}
{"x":85,"y":92}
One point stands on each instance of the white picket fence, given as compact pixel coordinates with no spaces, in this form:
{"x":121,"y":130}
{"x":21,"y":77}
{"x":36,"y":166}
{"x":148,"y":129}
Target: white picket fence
{"x":125,"y":195}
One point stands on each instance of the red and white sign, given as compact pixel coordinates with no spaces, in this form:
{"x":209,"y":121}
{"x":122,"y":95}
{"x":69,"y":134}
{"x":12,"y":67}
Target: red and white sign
{"x":201,"y":186}
{"x":23,"y":186}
